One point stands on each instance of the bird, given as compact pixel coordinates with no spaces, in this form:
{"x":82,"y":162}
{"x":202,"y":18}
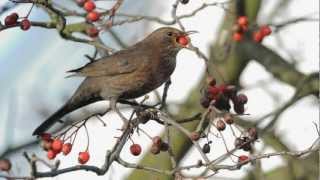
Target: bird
{"x":126,"y":74}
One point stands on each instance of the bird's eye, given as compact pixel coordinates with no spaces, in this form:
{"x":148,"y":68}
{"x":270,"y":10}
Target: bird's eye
{"x":169,"y":33}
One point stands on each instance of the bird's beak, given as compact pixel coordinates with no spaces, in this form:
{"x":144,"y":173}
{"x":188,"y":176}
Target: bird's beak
{"x":190,"y":32}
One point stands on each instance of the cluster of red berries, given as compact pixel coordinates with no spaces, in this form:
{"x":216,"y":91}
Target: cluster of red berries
{"x":89,"y":6}
{"x":219,"y":96}
{"x":56,"y":146}
{"x":242,"y":26}
{"x":12,"y":20}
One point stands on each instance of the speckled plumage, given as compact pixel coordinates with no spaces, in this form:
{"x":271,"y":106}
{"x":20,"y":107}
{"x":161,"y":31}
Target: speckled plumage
{"x":126,"y":74}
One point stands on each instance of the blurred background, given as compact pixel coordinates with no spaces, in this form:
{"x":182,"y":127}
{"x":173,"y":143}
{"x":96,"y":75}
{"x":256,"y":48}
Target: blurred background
{"x":33,"y":85}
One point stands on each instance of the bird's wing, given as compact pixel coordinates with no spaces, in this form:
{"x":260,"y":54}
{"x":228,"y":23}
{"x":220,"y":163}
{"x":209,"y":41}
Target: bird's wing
{"x":118,"y":63}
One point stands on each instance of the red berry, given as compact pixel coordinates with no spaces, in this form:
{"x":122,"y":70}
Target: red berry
{"x":183,"y":40}
{"x":5,"y":165}
{"x":83,"y":157}
{"x":243,"y":158}
{"x":51,"y":154}
{"x":135,"y":149}
{"x":238,"y":108}
{"x":243,"y":21}
{"x":66,"y":148}
{"x":220,"y":125}
{"x":25,"y":24}
{"x":155,"y":149}
{"x":56,"y":145}
{"x":89,"y":6}
{"x":258,"y":36}
{"x":237,"y":36}
{"x":11,"y":19}
{"x":92,"y":32}
{"x":265,"y":30}
{"x":93,"y":16}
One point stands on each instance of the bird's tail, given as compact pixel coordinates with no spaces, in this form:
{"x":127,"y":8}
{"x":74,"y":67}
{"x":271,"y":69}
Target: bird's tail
{"x":52,"y":120}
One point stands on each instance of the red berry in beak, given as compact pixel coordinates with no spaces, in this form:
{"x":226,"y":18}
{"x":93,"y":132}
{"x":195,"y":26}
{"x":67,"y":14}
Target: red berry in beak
{"x":183,"y":40}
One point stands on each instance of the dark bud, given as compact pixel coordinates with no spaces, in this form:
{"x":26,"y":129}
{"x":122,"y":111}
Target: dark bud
{"x":205,"y":102}
{"x":164,"y":146}
{"x":253,"y":133}
{"x":11,"y":19}
{"x":5,"y":165}
{"x":238,"y":108}
{"x":246,"y":144}
{"x":238,"y":142}
{"x":194,"y":136}
{"x":242,"y":99}
{"x":155,"y":149}
{"x":81,"y":2}
{"x":220,"y":125}
{"x":157,"y":140}
{"x":228,"y":118}
{"x":143,"y":116}
{"x":184,"y":1}
{"x":222,"y":103}
{"x":212,"y":82}
{"x":206,"y":148}
{"x":25,"y":24}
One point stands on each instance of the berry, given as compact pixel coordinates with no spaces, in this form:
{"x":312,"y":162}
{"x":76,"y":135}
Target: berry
{"x":257,"y":36}
{"x":237,"y":36}
{"x":205,"y":102}
{"x":81,"y":2}
{"x":220,"y":125}
{"x":243,"y":21}
{"x":92,"y":32}
{"x":46,"y":144}
{"x":214,"y":91}
{"x":51,"y":154}
{"x":194,"y":136}
{"x":242,"y":99}
{"x":265,"y":30}
{"x":93,"y":16}
{"x":5,"y":165}
{"x":135,"y":149}
{"x":164,"y":146}
{"x":253,"y":133}
{"x":157,"y":140}
{"x":66,"y":148}
{"x":206,"y":148}
{"x":228,"y":119}
{"x":238,"y":108}
{"x":89,"y":6}
{"x":183,"y":40}
{"x":83,"y":157}
{"x":45,"y":136}
{"x":25,"y":24}
{"x":243,"y":158}
{"x":11,"y":19}
{"x":57,"y":145}
{"x":184,"y":1}
{"x":155,"y":149}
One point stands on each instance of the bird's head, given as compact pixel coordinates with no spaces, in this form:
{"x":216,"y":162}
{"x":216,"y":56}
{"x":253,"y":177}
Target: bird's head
{"x":170,"y":38}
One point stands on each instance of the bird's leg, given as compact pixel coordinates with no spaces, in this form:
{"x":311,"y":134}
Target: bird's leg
{"x":165,"y":93}
{"x":113,"y":105}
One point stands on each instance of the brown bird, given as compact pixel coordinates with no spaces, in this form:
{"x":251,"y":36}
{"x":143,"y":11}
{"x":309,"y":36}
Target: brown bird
{"x":126,"y":74}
